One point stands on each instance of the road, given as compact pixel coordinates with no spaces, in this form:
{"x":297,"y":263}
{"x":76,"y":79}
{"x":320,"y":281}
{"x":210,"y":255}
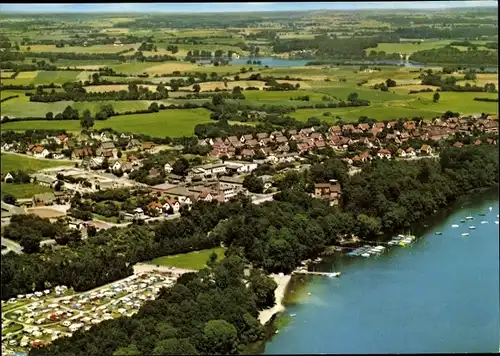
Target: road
{"x":417,"y":158}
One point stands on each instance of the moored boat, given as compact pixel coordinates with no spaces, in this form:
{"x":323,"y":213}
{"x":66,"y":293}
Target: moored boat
{"x":465,"y":234}
{"x":472,"y":227}
{"x":469,"y":218}
{"x":438,"y":233}
{"x":462,"y":220}
{"x":365,"y":254}
{"x":484,"y":222}
{"x":454,"y":225}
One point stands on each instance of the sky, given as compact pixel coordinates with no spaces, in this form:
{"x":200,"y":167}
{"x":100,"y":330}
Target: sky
{"x":151,"y":7}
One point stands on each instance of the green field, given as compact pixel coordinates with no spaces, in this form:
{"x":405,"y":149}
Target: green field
{"x":11,"y":328}
{"x":194,"y":260}
{"x":409,"y":106}
{"x":80,"y":49}
{"x":47,"y":77}
{"x":22,"y":107}
{"x":172,"y":123}
{"x":23,"y":190}
{"x":14,"y":162}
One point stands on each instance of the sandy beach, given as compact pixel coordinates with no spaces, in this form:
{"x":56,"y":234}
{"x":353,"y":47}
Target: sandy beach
{"x":282,"y":281}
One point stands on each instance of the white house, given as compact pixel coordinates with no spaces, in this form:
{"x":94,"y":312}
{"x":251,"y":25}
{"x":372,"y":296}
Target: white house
{"x":8,"y":177}
{"x":241,"y":166}
{"x":58,"y":156}
{"x":384,"y":153}
{"x":40,"y":152}
{"x":116,"y":166}
{"x":167,"y":168}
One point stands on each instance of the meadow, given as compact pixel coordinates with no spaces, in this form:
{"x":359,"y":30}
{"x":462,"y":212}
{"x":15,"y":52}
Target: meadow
{"x":80,"y":49}
{"x":20,"y":191}
{"x":193,"y":260}
{"x":14,"y":162}
{"x":172,"y":123}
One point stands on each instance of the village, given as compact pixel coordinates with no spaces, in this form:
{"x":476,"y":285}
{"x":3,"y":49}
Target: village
{"x":99,"y":165}
{"x":41,"y":317}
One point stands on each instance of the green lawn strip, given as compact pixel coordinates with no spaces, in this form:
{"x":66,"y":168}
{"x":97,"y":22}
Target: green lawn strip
{"x":26,"y":190}
{"x":11,"y":328}
{"x":14,"y":162}
{"x":193,"y":260}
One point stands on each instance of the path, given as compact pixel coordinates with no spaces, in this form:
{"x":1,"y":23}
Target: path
{"x":11,"y":246}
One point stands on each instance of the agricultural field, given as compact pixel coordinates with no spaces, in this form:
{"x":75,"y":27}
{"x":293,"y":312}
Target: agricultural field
{"x":194,"y":260}
{"x":27,"y":190}
{"x":80,"y":49}
{"x":14,"y":162}
{"x":172,"y":123}
{"x":22,"y":107}
{"x":47,"y":77}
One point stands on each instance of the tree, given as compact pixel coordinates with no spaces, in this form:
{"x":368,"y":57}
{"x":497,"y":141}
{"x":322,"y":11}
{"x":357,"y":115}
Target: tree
{"x":264,"y":288}
{"x":175,"y":347}
{"x":220,"y":338}
{"x":86,"y":121}
{"x":196,"y":88}
{"x":180,"y":166}
{"x":130,"y":350}
{"x":390,"y":83}
{"x":352,"y":97}
{"x":49,"y":115}
{"x":253,"y":184}
{"x":436,"y":97}
{"x":153,"y":107}
{"x":9,"y":199}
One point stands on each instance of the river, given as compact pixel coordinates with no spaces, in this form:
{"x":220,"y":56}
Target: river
{"x":439,"y":295}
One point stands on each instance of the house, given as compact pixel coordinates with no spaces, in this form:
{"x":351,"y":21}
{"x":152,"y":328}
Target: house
{"x":39,"y":151}
{"x":154,"y":172}
{"x":458,"y":144}
{"x":401,"y":153}
{"x":426,"y":149}
{"x":410,"y":152}
{"x":116,"y":166}
{"x":240,"y":166}
{"x":8,"y":178}
{"x":155,"y":208}
{"x":252,"y":143}
{"x":106,"y":147}
{"x":364,"y":127}
{"x":478,"y":142}
{"x":45,"y":180}
{"x":213,"y":169}
{"x":246,"y":138}
{"x":335,"y":130}
{"x":118,"y":43}
{"x":80,"y":153}
{"x":275,"y":134}
{"x":62,"y":197}
{"x":330,"y":191}
{"x":491,"y":140}
{"x":133,"y":144}
{"x":319,"y":144}
{"x":384,"y":153}
{"x":235,"y":182}
{"x":306,"y":131}
{"x":247,"y":153}
{"x":171,"y":206}
{"x":281,"y":139}
{"x":262,"y":135}
{"x":148,"y":146}
{"x":167,"y":168}
{"x":409,"y":125}
{"x":44,"y":199}
{"x":365,"y":157}
{"x":61,"y":139}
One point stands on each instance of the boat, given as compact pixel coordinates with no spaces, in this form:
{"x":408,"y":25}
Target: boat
{"x":490,"y":208}
{"x":335,"y":274}
{"x":365,"y":254}
{"x":469,"y":218}
{"x":317,"y":260}
{"x":438,"y":233}
{"x":412,"y":237}
{"x":454,"y":225}
{"x":403,"y":243}
{"x":472,"y":227}
{"x":481,"y":214}
{"x":392,"y":243}
{"x":484,"y":222}
{"x":465,"y":234}
{"x":401,"y":236}
{"x":293,"y":315}
{"x":462,"y":220}
{"x":380,"y":248}
{"x":496,"y":222}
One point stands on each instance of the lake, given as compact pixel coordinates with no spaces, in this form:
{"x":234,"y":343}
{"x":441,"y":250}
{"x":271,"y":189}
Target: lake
{"x":279,"y":62}
{"x":440,"y":294}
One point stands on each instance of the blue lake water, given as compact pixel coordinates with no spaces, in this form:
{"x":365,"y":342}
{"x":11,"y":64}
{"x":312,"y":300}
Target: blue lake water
{"x":278,"y":62}
{"x":439,"y":295}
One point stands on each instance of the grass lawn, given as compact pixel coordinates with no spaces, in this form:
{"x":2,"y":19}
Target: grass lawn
{"x":11,"y":328}
{"x":408,"y":47}
{"x":193,"y":260}
{"x":23,"y":190}
{"x":12,"y":162}
{"x":80,"y":49}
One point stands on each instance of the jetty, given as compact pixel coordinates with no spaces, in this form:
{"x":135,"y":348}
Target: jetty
{"x":326,"y":274}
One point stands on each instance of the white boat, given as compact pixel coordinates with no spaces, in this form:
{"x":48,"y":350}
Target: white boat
{"x":469,"y":218}
{"x":393,"y":243}
{"x":335,"y":274}
{"x":365,"y":255}
{"x":293,"y":315}
{"x":454,"y":225}
{"x":472,"y":227}
{"x":491,"y":208}
{"x":465,"y":234}
{"x":484,"y":222}
{"x":380,"y":248}
{"x":496,"y":222}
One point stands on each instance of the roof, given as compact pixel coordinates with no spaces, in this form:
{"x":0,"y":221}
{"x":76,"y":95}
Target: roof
{"x":107,"y":145}
{"x":233,"y":180}
{"x":147,"y":145}
{"x":164,"y":186}
{"x":45,"y":197}
{"x":44,"y":178}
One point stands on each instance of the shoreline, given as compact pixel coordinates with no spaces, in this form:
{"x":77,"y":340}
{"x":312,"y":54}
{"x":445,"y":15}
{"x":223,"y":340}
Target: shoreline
{"x":282,"y":281}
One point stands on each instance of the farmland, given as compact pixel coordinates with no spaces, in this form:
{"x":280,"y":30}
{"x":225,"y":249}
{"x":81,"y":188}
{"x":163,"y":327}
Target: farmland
{"x":172,"y":123}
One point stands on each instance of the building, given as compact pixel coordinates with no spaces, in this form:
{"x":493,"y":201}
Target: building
{"x":330,"y":191}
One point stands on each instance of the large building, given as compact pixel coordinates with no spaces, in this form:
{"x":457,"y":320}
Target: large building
{"x":330,"y":191}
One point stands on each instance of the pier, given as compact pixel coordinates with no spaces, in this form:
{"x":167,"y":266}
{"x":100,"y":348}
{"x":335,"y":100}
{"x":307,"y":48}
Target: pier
{"x":326,"y":274}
